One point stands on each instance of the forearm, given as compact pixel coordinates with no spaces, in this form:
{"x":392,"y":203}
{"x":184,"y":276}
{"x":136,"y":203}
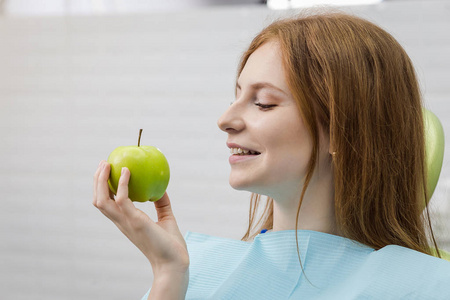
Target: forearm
{"x":169,"y":286}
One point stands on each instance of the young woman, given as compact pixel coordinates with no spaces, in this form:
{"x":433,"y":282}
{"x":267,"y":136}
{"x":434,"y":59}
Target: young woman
{"x":327,"y":123}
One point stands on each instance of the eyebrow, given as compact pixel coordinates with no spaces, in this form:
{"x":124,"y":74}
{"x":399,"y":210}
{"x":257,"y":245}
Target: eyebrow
{"x":263,"y":85}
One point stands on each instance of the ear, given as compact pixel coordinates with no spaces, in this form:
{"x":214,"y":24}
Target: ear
{"x":330,"y":150}
{"x":328,"y":143}
{"x":325,"y":140}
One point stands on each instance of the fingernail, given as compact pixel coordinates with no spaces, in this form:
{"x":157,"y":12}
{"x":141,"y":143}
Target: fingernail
{"x":99,"y":164}
{"x":123,"y":170}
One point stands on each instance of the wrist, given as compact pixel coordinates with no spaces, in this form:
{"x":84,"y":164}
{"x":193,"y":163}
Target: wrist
{"x":170,"y":285}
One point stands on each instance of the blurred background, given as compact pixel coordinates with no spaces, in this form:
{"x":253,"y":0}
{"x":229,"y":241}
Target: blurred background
{"x":79,"y":78}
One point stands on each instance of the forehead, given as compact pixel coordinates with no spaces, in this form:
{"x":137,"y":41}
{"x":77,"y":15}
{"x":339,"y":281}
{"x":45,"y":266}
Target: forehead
{"x":265,"y":65}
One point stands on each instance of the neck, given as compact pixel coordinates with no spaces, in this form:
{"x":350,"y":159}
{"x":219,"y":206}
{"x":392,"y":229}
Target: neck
{"x":317,"y":210}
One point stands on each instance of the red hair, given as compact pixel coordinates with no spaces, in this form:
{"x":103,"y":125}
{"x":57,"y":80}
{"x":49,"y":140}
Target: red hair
{"x":353,"y":80}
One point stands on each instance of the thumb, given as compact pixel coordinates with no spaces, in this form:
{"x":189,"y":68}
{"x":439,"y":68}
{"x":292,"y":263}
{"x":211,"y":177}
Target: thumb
{"x":122,"y":199}
{"x":163,"y":208}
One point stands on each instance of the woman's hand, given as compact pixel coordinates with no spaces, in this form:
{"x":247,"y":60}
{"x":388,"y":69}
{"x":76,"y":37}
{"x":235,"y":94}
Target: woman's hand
{"x":161,"y":242}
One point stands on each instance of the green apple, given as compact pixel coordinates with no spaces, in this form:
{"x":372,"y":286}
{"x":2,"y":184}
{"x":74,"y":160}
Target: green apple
{"x":434,"y":149}
{"x":149,"y":171}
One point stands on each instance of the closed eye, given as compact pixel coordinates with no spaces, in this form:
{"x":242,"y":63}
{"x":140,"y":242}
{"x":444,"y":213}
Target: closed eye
{"x":265,"y":106}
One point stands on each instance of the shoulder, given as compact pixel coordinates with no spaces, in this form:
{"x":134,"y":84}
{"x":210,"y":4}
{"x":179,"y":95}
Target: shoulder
{"x":342,"y":269}
{"x":407,"y":273}
{"x":393,"y":256}
{"x":395,"y":272}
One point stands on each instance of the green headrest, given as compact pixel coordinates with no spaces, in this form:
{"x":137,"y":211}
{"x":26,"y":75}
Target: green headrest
{"x":434,"y":149}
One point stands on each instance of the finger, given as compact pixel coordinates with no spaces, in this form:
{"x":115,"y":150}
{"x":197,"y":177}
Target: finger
{"x":106,"y":205}
{"x":122,"y":199}
{"x":164,"y":208}
{"x":97,"y":173}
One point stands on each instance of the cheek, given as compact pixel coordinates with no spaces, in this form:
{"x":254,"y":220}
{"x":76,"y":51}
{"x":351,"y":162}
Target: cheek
{"x":289,"y":155}
{"x":291,"y":164}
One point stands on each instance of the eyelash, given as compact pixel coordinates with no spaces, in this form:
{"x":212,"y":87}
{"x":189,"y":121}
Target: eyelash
{"x":265,"y":106}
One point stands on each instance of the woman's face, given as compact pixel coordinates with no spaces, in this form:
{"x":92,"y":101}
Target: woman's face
{"x":265,"y":119}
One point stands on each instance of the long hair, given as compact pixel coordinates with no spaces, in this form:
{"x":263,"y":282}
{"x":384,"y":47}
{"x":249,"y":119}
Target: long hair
{"x":353,"y":80}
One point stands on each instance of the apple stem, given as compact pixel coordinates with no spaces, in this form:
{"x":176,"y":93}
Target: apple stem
{"x":139,"y":140}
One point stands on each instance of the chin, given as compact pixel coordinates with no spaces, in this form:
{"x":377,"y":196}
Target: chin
{"x":246,"y":186}
{"x":240,"y":185}
{"x":237,"y":186}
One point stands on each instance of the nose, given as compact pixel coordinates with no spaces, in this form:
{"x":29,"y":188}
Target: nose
{"x":231,"y":121}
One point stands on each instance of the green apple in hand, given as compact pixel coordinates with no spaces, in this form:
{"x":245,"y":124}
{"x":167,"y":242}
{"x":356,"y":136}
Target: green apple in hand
{"x":149,"y":171}
{"x":434,"y":149}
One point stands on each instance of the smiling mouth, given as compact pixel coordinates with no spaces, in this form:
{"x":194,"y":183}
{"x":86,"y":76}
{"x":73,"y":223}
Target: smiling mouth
{"x":239,"y":151}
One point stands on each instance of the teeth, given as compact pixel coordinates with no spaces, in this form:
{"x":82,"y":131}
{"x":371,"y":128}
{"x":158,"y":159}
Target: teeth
{"x":240,"y":151}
